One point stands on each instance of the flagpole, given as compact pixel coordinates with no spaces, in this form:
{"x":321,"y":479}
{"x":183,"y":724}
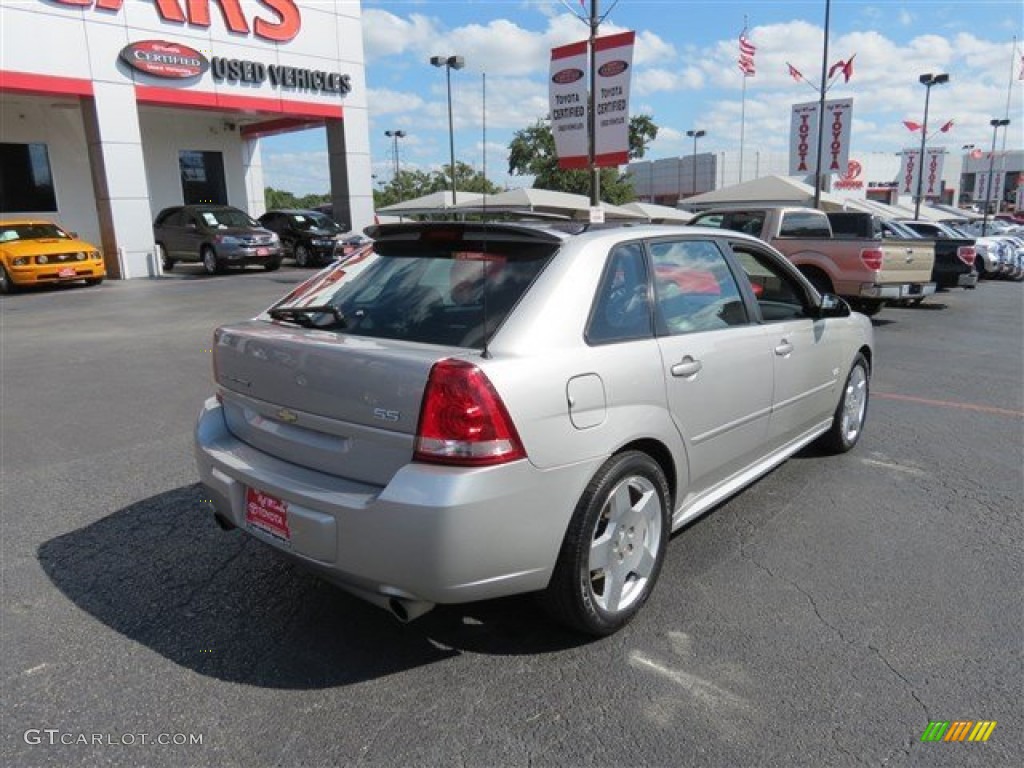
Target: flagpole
{"x":743,"y":104}
{"x":821,"y":110}
{"x":743,"y":123}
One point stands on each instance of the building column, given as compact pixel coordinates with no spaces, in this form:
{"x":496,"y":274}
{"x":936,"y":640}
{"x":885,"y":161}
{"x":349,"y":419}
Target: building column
{"x":349,"y":163}
{"x":114,"y":142}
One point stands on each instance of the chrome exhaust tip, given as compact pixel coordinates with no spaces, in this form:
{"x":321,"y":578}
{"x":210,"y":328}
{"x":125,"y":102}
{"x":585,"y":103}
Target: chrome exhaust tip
{"x":407,"y":610}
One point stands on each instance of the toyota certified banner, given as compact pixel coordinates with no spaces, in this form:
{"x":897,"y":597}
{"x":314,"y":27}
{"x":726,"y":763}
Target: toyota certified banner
{"x":910,"y":169}
{"x":567,"y":95}
{"x":803,"y":137}
{"x":567,"y":100}
{"x":613,"y":58}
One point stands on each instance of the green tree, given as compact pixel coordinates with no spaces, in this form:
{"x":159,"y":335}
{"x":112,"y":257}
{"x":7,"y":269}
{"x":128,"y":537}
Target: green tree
{"x":411,"y":184}
{"x":532,"y":153}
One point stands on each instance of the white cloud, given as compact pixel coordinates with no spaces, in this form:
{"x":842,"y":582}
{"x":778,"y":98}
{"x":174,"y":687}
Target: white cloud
{"x":385,"y":34}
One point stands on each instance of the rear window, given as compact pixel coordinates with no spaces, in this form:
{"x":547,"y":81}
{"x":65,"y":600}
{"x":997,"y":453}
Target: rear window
{"x":456,"y":295}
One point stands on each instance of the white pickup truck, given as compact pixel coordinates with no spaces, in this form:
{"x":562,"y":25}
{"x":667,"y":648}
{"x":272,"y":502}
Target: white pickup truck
{"x":866,"y":272}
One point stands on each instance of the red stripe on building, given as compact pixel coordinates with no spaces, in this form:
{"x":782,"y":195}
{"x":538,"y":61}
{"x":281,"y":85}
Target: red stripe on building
{"x":147,"y":94}
{"x":24,"y":82}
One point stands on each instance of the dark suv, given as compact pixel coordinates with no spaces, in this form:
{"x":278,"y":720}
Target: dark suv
{"x":217,"y":236}
{"x":309,"y":236}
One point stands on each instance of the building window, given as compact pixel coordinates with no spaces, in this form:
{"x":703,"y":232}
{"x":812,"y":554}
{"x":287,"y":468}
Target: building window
{"x":202,"y":177}
{"x":26,"y":184}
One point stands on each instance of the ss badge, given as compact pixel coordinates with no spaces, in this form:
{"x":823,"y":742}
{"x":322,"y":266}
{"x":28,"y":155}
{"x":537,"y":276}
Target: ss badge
{"x":385,"y":415}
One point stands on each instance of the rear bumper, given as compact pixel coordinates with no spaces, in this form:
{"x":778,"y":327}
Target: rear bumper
{"x":896,"y":290}
{"x":437,"y":534}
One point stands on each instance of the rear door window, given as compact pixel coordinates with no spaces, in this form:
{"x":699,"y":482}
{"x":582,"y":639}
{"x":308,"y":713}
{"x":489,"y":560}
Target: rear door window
{"x":694,"y":288}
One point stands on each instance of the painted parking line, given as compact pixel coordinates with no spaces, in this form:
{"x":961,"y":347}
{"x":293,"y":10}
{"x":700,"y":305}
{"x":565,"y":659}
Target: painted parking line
{"x":949,"y":404}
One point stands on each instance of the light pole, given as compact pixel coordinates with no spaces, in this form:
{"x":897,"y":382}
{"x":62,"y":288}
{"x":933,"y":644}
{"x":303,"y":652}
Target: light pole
{"x":695,"y":134}
{"x":395,"y":135}
{"x":927,"y":81}
{"x":449,"y":63}
{"x":996,"y":124}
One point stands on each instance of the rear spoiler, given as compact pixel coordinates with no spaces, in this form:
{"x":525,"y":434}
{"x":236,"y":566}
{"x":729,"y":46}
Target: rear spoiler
{"x":461,"y":231}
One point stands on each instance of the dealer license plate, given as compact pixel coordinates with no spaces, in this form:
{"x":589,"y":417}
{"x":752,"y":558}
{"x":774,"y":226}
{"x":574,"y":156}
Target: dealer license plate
{"x":267,"y":513}
{"x":66,"y":272}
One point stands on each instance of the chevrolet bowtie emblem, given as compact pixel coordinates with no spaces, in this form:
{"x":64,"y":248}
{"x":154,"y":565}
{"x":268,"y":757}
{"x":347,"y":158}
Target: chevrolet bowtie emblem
{"x":289,"y":417}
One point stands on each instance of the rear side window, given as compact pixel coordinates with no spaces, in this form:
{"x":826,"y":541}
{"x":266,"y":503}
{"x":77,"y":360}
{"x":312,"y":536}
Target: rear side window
{"x":801,"y":224}
{"x":438,"y":295}
{"x":622,"y":310}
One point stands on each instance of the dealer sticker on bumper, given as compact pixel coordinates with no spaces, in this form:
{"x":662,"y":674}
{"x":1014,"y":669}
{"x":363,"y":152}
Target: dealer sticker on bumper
{"x":267,"y":513}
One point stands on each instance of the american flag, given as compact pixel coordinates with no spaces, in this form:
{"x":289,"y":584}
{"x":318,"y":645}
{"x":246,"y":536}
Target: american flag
{"x":746,"y":58}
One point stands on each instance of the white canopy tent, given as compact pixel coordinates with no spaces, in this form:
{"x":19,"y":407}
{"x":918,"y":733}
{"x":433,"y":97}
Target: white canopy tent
{"x":544,"y":202}
{"x":435,"y":202}
{"x":767,"y":190}
{"x":659,"y":214}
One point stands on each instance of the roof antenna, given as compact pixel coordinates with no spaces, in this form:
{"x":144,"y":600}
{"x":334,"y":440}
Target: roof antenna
{"x":483,"y":122}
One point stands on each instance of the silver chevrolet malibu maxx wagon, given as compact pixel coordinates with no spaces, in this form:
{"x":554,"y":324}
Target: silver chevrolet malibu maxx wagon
{"x":469,"y":410}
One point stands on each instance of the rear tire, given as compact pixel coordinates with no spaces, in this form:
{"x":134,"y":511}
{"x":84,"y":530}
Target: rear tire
{"x":852,"y":411}
{"x":211,"y":263}
{"x":302,"y":256}
{"x":93,"y":280}
{"x":614,"y":548}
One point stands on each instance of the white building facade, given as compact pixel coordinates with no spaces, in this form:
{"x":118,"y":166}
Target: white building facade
{"x":111,"y":110}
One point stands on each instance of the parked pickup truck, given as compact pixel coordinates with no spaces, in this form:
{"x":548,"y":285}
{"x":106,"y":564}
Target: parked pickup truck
{"x":866,"y":271}
{"x":954,"y":255}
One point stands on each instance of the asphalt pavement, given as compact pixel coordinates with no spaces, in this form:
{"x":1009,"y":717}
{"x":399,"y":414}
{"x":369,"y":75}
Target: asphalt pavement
{"x":822,"y":617}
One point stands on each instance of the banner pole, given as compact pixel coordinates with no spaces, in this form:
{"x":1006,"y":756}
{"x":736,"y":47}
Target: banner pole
{"x":595,"y":172}
{"x":821,"y":110}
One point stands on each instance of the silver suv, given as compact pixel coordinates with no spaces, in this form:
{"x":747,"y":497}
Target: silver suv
{"x":472,"y":410}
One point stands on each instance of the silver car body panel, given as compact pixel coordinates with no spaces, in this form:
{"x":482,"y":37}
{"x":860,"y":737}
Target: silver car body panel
{"x":326,"y":421}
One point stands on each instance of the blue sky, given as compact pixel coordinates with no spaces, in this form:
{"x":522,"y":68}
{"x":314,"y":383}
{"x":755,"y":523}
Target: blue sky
{"x":684,"y":76}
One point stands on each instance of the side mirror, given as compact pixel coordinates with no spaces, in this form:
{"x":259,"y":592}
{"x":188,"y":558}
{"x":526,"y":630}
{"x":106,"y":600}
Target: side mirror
{"x":832,"y":306}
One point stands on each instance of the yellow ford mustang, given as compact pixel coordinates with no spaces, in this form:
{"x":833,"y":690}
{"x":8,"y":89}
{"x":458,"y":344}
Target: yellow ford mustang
{"x":36,"y":252}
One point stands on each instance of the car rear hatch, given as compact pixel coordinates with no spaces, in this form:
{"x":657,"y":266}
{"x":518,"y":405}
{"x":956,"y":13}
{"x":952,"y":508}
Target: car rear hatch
{"x":332,"y":377}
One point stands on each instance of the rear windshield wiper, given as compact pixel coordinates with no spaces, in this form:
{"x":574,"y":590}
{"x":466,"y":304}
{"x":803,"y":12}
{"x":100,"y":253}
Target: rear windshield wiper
{"x":304,"y":316}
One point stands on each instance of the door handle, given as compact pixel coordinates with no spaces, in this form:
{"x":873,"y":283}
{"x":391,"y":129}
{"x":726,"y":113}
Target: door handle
{"x":784,"y":348}
{"x":686,"y":367}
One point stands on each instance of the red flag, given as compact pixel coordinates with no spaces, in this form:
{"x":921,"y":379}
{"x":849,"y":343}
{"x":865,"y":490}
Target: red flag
{"x":794,"y":72}
{"x":747,"y":48}
{"x":846,"y":67}
{"x":912,"y":125}
{"x":946,"y":127}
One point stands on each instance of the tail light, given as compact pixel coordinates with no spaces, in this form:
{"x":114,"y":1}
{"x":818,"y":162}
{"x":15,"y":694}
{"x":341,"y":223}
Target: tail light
{"x":872,"y":258}
{"x":967,"y":254}
{"x":463,"y":420}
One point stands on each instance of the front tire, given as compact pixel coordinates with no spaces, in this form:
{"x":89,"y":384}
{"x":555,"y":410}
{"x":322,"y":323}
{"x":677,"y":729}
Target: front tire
{"x":614,"y":547}
{"x":302,"y":255}
{"x":94,"y":281}
{"x":211,"y":263}
{"x":852,"y":411}
{"x":272,"y":265}
{"x":6,"y":284}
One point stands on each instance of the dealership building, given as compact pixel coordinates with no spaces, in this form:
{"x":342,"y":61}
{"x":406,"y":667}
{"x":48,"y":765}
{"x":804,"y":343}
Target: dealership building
{"x":111,"y":110}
